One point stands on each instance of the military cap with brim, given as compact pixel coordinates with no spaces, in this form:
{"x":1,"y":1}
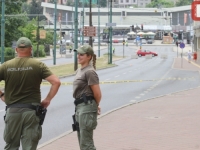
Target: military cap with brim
{"x":24,"y":42}
{"x":85,"y":49}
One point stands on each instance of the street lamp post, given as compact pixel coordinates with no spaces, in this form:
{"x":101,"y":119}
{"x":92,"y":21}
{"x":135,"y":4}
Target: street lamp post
{"x":83,"y":3}
{"x":75,"y":35}
{"x":2,"y":31}
{"x":38,"y":30}
{"x":98,"y":28}
{"x":90,"y":23}
{"x":54,"y":49}
{"x":110,"y":32}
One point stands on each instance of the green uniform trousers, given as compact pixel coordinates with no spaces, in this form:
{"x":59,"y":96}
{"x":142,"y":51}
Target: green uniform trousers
{"x":22,"y":124}
{"x":86,"y":116}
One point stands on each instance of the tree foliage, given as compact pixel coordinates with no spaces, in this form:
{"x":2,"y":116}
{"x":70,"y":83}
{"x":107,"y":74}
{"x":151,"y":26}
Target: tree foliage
{"x":103,"y":3}
{"x":12,"y":23}
{"x":160,"y":3}
{"x":35,"y":10}
{"x":184,"y":2}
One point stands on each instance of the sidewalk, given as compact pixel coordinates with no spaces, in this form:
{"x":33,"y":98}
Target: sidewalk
{"x":169,"y":122}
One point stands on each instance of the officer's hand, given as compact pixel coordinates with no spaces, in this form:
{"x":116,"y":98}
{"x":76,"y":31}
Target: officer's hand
{"x":45,"y":103}
{"x":99,"y":110}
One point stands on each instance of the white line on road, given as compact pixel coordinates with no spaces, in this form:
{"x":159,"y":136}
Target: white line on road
{"x":124,"y":73}
{"x":137,"y":97}
{"x":2,"y":110}
{"x":107,"y":79}
{"x":116,"y":76}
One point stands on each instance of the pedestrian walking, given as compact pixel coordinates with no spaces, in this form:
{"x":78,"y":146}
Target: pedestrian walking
{"x":87,"y":96}
{"x":189,"y":56}
{"x":126,"y":43}
{"x":25,"y":111}
{"x":70,"y":48}
{"x":113,"y":49}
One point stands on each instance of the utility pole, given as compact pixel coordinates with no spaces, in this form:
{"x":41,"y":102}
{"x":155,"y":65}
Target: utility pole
{"x":60,"y":35}
{"x":90,"y":23}
{"x":75,"y":35}
{"x":54,"y":39}
{"x":38,"y":33}
{"x":98,"y":28}
{"x":83,"y":3}
{"x":2,"y":31}
{"x":110,"y":32}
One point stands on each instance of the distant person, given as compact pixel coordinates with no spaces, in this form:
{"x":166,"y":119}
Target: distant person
{"x":113,"y":49}
{"x":189,"y":56}
{"x":126,"y":43}
{"x":87,"y":96}
{"x":25,"y":110}
{"x":70,"y":48}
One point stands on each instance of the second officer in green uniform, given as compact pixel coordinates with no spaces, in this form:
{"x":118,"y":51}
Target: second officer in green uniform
{"x":87,"y":96}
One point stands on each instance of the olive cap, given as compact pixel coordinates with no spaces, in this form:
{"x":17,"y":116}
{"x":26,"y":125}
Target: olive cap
{"x":85,"y":49}
{"x":24,"y":42}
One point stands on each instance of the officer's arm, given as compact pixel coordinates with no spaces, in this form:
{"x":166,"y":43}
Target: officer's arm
{"x":2,"y":95}
{"x":55,"y":84}
{"x":97,"y":93}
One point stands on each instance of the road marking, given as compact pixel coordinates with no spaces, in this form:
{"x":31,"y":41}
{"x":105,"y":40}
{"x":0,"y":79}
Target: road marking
{"x":133,"y":101}
{"x":128,"y":81}
{"x":124,"y":73}
{"x":2,"y":110}
{"x":116,"y":76}
{"x":137,"y":97}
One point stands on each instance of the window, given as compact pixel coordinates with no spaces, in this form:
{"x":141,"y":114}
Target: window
{"x":121,"y":1}
{"x":127,"y":1}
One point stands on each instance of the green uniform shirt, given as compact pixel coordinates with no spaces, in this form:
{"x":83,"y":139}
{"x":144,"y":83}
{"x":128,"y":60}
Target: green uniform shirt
{"x":84,"y":77}
{"x":23,"y":77}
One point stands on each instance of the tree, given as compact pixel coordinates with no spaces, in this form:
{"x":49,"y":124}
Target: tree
{"x":28,"y":29}
{"x":12,"y":23}
{"x":163,"y":3}
{"x":69,"y":3}
{"x":35,"y":10}
{"x":103,"y":3}
{"x":184,"y":2}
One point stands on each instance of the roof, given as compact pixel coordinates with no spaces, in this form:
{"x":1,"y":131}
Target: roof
{"x":69,"y":8}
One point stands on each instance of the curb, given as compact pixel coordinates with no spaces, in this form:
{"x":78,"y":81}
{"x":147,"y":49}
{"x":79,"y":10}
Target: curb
{"x":111,"y":111}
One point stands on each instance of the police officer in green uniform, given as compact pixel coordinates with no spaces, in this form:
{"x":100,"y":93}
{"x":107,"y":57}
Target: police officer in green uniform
{"x":23,"y":76}
{"x":87,"y":96}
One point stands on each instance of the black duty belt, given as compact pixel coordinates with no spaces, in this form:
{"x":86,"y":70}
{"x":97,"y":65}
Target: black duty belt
{"x":21,"y":106}
{"x":83,"y":100}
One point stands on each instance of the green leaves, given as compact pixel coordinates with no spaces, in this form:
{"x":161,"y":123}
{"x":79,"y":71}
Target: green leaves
{"x":184,"y":2}
{"x":163,"y":3}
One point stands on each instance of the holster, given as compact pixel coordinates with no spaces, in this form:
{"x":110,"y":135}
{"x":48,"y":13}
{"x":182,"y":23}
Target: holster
{"x":41,"y":113}
{"x":75,"y":125}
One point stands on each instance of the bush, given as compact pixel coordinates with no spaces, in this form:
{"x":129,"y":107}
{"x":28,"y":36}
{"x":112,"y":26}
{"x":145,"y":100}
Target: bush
{"x":40,"y":51}
{"x":9,"y":53}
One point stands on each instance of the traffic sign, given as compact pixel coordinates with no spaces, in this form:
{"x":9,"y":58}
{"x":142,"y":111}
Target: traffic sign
{"x":89,"y":31}
{"x":110,"y":24}
{"x":182,"y":45}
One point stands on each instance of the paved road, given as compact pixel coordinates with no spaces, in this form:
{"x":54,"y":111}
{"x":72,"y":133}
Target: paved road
{"x":153,"y":77}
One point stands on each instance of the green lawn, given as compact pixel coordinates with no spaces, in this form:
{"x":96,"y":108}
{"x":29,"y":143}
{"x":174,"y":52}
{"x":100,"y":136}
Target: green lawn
{"x":68,"y":69}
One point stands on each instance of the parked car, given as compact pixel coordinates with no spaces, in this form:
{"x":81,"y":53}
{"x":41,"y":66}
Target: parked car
{"x":149,"y":41}
{"x":138,"y":41}
{"x":143,"y":52}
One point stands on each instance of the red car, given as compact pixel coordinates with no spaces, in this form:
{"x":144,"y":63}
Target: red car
{"x":143,"y":52}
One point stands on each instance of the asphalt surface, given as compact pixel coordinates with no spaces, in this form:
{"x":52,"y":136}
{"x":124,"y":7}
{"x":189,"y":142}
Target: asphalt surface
{"x":167,"y":122}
